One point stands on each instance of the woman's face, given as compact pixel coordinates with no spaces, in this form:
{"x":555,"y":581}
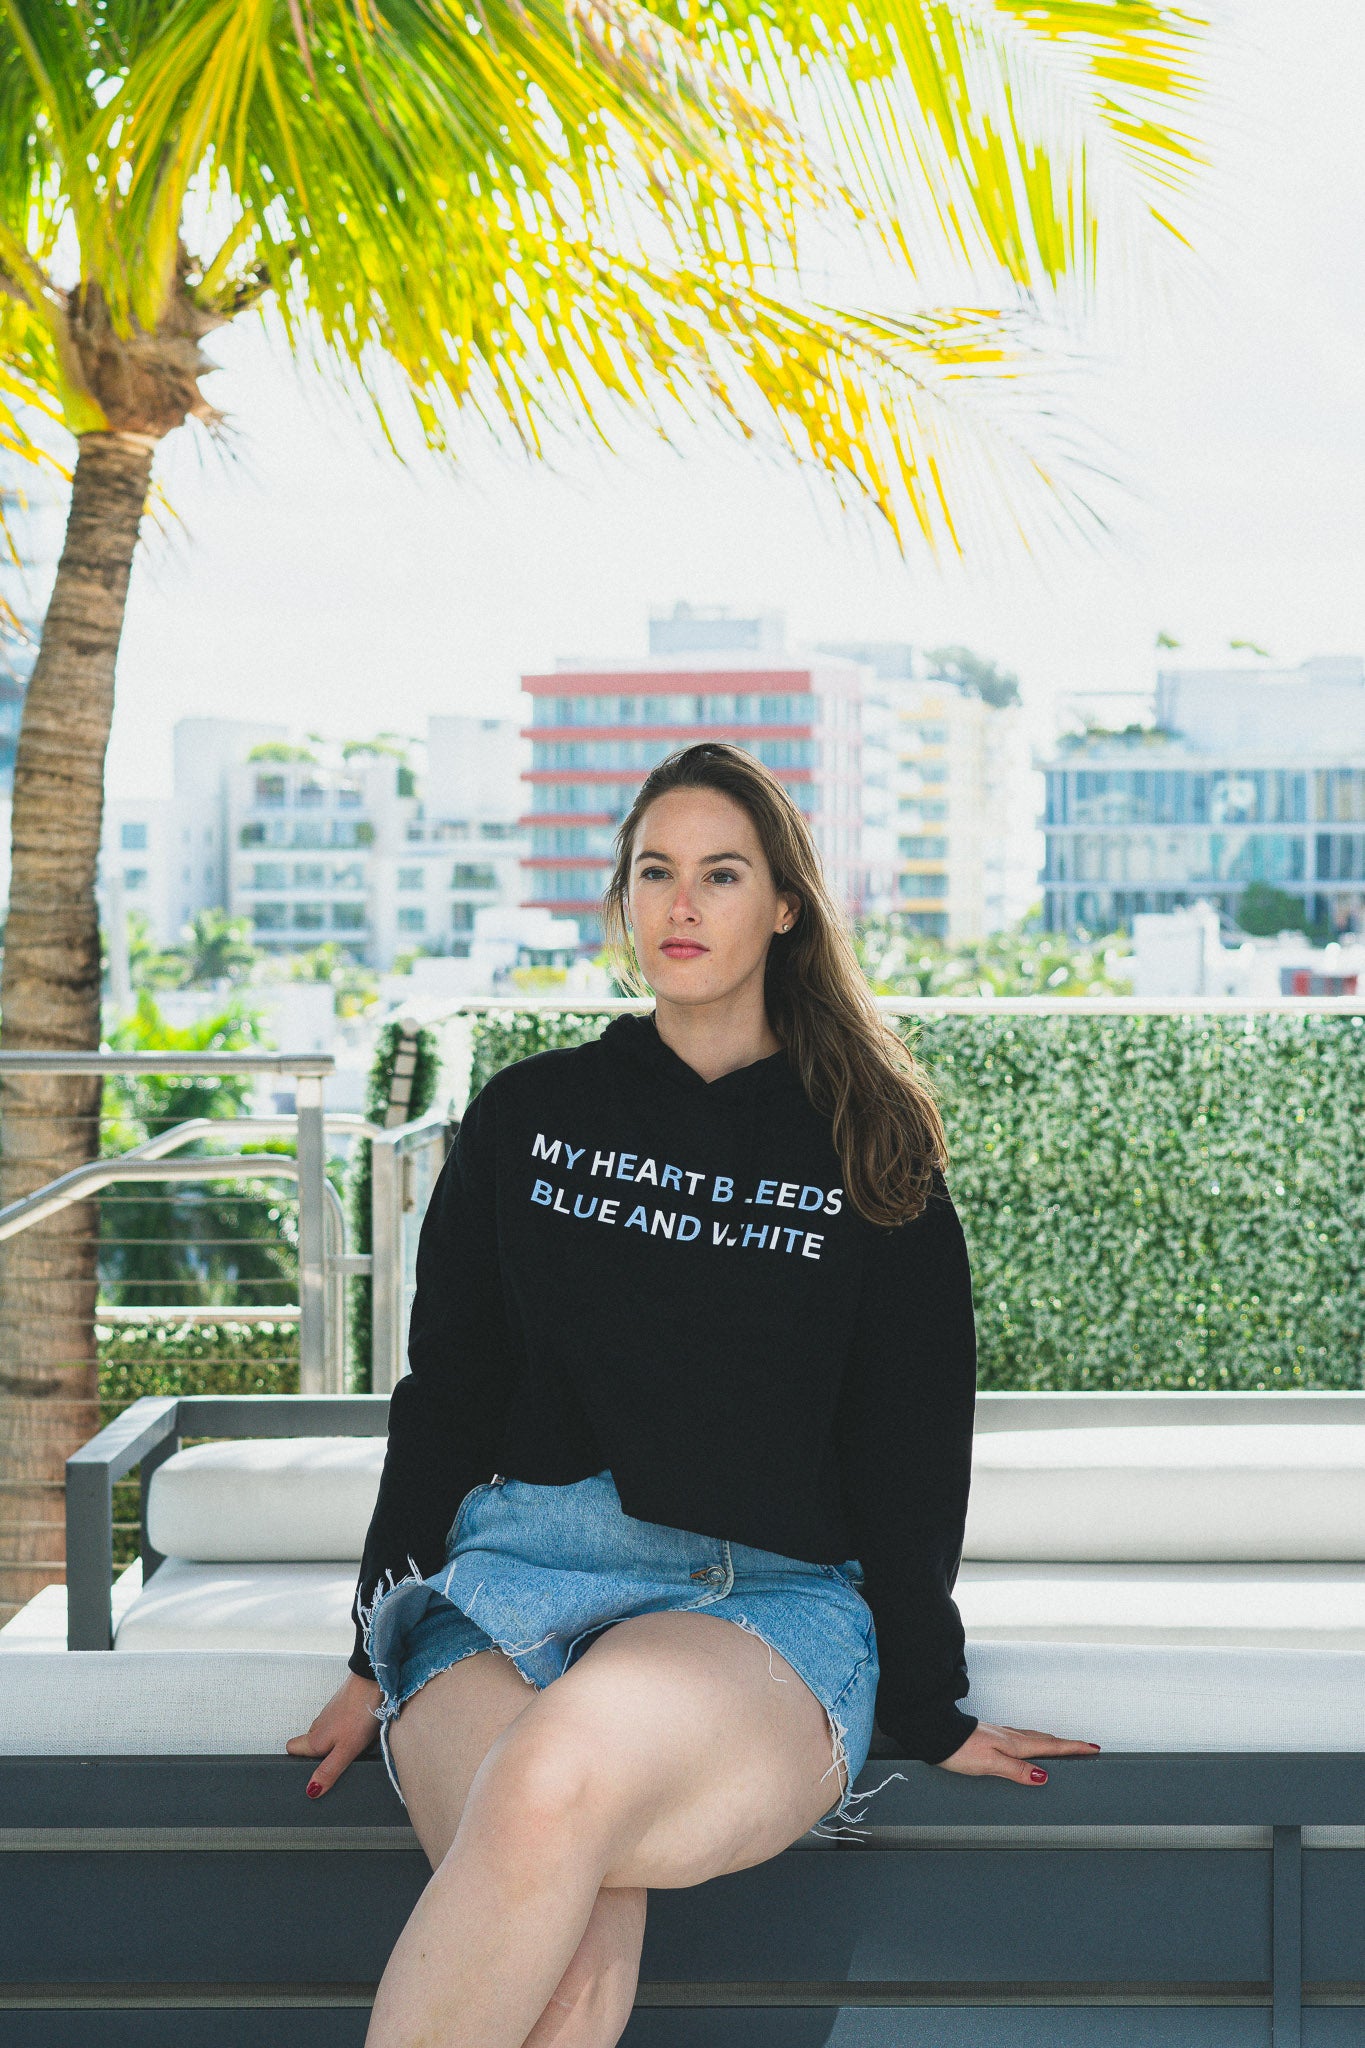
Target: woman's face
{"x":702,"y":903}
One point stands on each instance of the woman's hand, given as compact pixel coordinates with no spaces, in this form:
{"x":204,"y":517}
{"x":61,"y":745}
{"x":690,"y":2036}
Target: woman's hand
{"x":343,"y":1730}
{"x":991,"y":1752}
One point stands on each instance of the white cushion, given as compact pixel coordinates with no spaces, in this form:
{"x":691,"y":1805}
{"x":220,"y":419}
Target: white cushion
{"x":204,"y":1703}
{"x":40,"y":1623}
{"x":277,"y":1607}
{"x":1130,"y":1696}
{"x":198,"y":1703}
{"x":308,"y":1498}
{"x":1236,"y":1491}
{"x":1270,"y":1606}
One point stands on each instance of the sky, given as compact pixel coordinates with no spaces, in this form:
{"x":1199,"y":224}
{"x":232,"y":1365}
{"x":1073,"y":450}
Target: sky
{"x":307,"y":579}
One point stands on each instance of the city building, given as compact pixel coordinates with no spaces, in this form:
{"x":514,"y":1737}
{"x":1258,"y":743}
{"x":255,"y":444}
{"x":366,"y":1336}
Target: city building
{"x":598,"y":726}
{"x":949,"y":805}
{"x":1242,"y":775}
{"x":385,"y":852}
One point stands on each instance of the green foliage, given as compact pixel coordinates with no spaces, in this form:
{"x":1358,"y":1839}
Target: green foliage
{"x":502,"y":1037}
{"x":195,"y":1358}
{"x":393,"y":743}
{"x":1150,"y":1201}
{"x":526,"y":216}
{"x":1160,"y":1201}
{"x":1263,"y":910}
{"x":1134,"y":734}
{"x":198,"y":1243}
{"x":425,"y":1075}
{"x":1024,"y":961}
{"x":355,"y":986}
{"x":282,"y":751}
{"x":214,"y":948}
{"x":975,"y":675}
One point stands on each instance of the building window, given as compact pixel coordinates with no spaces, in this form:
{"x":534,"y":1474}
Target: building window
{"x":135,"y":878}
{"x":469,"y":875}
{"x":350,"y":877}
{"x":269,"y":875}
{"x":348,"y":917}
{"x":254,"y":834}
{"x":309,"y":917}
{"x":270,"y":789}
{"x":924,"y":885}
{"x":271,"y":917}
{"x":312,"y":796}
{"x":348,"y":795}
{"x":133,"y":838}
{"x":924,"y":846}
{"x":309,"y":874}
{"x":462,"y":917}
{"x":411,"y":919}
{"x":410,"y":878}
{"x":310,"y":832}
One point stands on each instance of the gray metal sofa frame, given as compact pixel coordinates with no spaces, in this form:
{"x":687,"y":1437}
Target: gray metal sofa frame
{"x":1139,"y":1900}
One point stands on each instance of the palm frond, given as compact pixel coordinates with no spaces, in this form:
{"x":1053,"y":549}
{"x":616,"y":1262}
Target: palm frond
{"x":538,"y":213}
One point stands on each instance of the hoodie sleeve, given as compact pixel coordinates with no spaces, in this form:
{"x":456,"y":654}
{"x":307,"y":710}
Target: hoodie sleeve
{"x":446,"y":1413}
{"x":905,"y":1453}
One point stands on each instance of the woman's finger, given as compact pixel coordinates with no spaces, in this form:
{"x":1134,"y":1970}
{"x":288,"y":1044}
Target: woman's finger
{"x":305,"y":1745}
{"x":339,"y":1758}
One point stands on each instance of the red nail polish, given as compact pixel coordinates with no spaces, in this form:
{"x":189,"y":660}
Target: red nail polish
{"x":1038,"y":1777}
{"x":314,"y":1789}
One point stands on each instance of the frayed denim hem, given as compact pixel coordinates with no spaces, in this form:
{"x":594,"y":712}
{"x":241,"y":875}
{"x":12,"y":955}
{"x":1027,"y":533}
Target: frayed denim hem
{"x":392,"y":1702}
{"x":838,"y":1820}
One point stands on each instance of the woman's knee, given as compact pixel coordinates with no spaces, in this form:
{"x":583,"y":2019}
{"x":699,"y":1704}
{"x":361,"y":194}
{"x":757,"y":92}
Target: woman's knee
{"x":544,"y":1782}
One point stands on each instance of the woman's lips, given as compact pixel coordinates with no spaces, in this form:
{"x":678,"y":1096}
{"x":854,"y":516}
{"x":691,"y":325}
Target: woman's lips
{"x":681,"y":949}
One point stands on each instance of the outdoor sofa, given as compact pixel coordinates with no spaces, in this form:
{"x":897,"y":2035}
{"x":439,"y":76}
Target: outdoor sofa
{"x":1179,"y":1577}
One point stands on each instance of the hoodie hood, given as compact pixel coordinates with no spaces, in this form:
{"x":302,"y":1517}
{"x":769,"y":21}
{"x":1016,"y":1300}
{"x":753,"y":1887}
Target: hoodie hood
{"x":633,"y":1036}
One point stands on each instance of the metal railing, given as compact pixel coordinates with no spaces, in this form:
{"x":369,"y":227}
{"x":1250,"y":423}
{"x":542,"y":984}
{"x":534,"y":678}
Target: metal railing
{"x":406,"y":1161}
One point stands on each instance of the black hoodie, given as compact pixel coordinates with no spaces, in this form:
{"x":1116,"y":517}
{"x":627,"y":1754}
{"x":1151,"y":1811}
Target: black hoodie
{"x":626,"y":1266}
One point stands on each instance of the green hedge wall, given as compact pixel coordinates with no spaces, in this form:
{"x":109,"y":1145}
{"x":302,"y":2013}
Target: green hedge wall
{"x":1150,"y":1201}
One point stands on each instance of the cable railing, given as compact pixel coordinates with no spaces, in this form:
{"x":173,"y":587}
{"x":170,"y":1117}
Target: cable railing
{"x":300,"y":1244}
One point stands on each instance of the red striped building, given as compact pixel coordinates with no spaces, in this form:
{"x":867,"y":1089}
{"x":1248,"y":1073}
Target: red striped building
{"x":596,"y":731}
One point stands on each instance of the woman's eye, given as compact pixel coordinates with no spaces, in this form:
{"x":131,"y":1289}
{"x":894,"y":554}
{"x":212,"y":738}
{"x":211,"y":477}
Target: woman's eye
{"x":717,"y":875}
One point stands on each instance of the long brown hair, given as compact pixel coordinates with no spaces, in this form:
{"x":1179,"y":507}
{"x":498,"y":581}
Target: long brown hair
{"x":854,"y":1068}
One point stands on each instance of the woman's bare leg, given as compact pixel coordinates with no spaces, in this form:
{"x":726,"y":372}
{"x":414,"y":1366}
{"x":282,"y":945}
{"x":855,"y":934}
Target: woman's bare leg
{"x":438,"y":1742}
{"x":677,"y":1748}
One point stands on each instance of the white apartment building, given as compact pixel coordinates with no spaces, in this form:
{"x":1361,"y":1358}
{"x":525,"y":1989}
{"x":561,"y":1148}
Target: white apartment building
{"x":948,"y":801}
{"x":380,"y":854}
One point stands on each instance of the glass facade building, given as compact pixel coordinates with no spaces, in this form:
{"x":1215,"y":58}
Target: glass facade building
{"x":1124,"y":839}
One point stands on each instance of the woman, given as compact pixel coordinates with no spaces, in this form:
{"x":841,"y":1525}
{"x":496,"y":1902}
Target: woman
{"x":692,"y":1344}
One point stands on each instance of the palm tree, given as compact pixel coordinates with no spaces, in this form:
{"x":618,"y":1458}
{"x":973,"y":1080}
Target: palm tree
{"x":521,"y":213}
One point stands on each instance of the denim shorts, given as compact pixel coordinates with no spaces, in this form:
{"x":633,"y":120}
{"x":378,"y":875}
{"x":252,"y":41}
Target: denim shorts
{"x":539,"y":1571}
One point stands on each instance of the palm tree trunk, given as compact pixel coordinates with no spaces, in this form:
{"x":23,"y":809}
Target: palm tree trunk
{"x":50,"y":1000}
